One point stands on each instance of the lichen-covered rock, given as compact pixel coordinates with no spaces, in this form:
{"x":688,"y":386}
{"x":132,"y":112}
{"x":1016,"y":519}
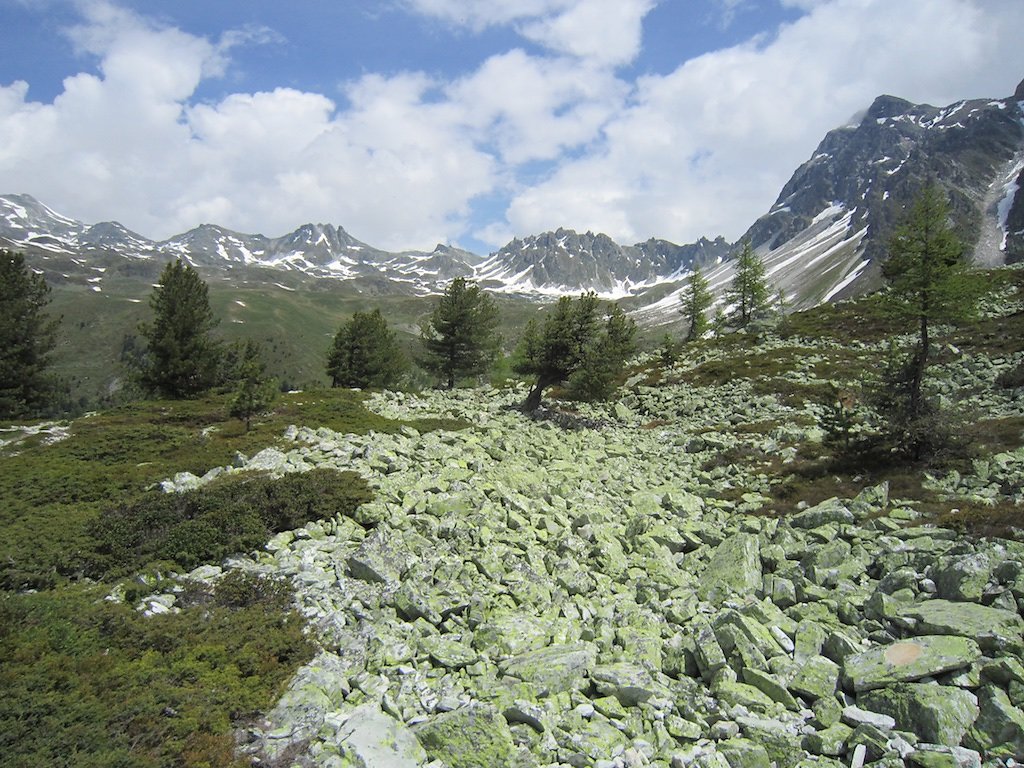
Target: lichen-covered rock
{"x":994,"y":629}
{"x":816,"y":679}
{"x":555,"y":669}
{"x":908,"y":660}
{"x":629,"y":683}
{"x":735,"y":569}
{"x":998,"y":730}
{"x":369,"y":738}
{"x":476,"y":736}
{"x":937,"y":714}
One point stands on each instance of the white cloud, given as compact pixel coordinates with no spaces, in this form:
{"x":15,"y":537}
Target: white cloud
{"x":702,"y":150}
{"x":705,"y":149}
{"x":606,"y":32}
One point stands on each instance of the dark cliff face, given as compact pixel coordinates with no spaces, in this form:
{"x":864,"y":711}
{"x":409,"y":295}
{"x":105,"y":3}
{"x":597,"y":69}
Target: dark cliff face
{"x":875,"y":167}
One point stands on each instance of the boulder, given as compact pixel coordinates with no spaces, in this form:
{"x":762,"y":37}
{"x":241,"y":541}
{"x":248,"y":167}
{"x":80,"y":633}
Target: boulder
{"x":476,"y":736}
{"x":994,"y":629}
{"x":937,"y":714}
{"x":998,"y":730}
{"x":369,"y":738}
{"x":735,"y":569}
{"x":908,"y":660}
{"x":555,"y":669}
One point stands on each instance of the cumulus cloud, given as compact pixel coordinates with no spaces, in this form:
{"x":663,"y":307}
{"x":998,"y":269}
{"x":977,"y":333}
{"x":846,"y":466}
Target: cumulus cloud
{"x":561,"y":139}
{"x":706,"y":148}
{"x":607,"y":32}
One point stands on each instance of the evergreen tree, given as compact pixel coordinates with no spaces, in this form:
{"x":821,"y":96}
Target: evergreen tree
{"x":27,"y":336}
{"x":254,"y":390}
{"x":930,"y":281}
{"x":749,"y":288}
{"x":604,"y":358}
{"x":181,"y":358}
{"x":366,"y":353}
{"x":571,"y":340}
{"x":461,"y":336}
{"x":696,"y":302}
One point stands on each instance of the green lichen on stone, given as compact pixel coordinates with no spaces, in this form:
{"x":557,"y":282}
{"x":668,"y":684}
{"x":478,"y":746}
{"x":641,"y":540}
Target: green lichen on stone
{"x":938,"y":714}
{"x":476,"y":736}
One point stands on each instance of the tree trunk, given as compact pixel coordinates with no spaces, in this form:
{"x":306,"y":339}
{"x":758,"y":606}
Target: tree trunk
{"x":451,"y":380}
{"x":532,"y":401}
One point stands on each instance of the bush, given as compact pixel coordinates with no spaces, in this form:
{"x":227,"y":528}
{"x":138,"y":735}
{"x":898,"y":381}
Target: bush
{"x":93,"y":684}
{"x":208,"y":524}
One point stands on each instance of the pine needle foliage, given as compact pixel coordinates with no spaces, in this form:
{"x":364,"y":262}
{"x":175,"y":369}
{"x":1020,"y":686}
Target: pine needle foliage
{"x":460,"y":338}
{"x":366,"y":354}
{"x":181,"y":359}
{"x":27,"y":337}
{"x":696,"y":302}
{"x":749,"y":291}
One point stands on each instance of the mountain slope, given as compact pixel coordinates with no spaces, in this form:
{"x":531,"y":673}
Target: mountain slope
{"x":826,"y":235}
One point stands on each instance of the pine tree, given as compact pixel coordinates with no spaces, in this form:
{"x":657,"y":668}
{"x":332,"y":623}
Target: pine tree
{"x":27,"y":337}
{"x":696,"y":302}
{"x":749,"y":288}
{"x":254,"y":390}
{"x":930,"y":281}
{"x":461,"y":336}
{"x":181,"y":358}
{"x":365,"y":353}
{"x":571,"y":345}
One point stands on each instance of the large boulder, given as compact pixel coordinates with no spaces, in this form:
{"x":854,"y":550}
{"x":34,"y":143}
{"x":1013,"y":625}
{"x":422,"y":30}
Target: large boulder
{"x":994,"y":629}
{"x":476,"y":736}
{"x":555,"y":669}
{"x":735,"y":569}
{"x":908,"y":660}
{"x":369,"y":738}
{"x":938,"y":714}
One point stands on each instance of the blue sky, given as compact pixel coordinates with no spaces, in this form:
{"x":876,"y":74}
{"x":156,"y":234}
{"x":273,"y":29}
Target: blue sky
{"x":411,"y":122}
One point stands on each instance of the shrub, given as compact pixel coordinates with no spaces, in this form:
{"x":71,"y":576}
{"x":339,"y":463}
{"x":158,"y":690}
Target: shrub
{"x":208,"y":524}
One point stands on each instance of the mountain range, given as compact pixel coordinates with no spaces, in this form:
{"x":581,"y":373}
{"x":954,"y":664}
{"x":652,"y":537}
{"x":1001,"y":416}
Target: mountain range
{"x":823,"y":239}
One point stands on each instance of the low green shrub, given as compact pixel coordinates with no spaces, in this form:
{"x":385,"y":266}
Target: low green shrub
{"x":208,"y":524}
{"x":91,"y":684}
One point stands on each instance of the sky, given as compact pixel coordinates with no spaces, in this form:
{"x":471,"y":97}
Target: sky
{"x":466,"y":122}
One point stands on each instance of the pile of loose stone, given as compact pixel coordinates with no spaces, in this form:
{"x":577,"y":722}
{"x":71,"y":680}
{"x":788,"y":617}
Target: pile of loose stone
{"x":519,"y":594}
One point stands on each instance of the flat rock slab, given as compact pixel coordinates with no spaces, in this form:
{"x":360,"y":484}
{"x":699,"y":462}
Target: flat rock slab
{"x":374,"y":739}
{"x":993,"y":628}
{"x":554,"y":670}
{"x":908,"y":660}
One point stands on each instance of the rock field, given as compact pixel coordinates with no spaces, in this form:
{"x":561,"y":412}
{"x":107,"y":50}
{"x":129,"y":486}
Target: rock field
{"x":521,"y":594}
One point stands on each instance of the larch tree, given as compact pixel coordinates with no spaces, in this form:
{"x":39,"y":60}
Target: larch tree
{"x":460,"y":338}
{"x":696,"y":302}
{"x":930,"y":281}
{"x":181,"y":358}
{"x":27,"y":337}
{"x":748,"y":291}
{"x":254,"y":390}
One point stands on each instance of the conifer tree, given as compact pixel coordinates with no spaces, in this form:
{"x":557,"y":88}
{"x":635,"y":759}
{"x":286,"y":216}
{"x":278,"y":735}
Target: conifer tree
{"x":254,"y":390}
{"x":181,"y":358}
{"x":571,"y":342}
{"x":749,"y":288}
{"x":696,"y":302}
{"x":930,"y":281}
{"x":365,"y":353}
{"x":27,"y":336}
{"x":461,"y":336}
